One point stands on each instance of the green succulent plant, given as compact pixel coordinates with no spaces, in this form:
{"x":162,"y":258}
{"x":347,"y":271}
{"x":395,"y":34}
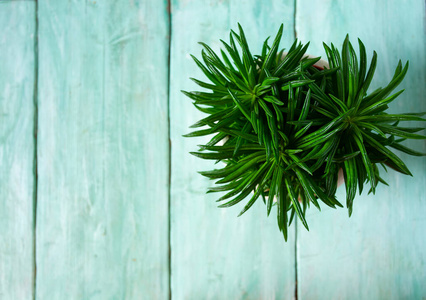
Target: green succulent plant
{"x":284,"y":127}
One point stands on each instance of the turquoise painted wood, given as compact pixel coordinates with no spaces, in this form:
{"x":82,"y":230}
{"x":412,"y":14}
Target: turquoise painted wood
{"x":216,"y":255}
{"x":17,"y":177}
{"x":102,"y":229}
{"x":112,"y":193}
{"x":380,"y":252}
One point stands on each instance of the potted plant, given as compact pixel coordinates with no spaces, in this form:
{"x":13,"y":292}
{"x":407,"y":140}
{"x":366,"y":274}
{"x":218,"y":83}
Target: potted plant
{"x":284,"y":126}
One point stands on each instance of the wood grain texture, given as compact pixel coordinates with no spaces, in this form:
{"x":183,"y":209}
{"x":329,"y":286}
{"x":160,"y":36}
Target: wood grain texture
{"x":216,"y":255}
{"x":17,"y":177}
{"x":102,"y":218}
{"x":380,"y":252}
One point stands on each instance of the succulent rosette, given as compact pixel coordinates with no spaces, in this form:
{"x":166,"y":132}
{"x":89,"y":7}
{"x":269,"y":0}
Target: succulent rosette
{"x":284,"y":126}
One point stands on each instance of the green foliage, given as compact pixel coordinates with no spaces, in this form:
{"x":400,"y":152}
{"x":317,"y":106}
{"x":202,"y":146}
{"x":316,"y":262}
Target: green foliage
{"x":284,"y":127}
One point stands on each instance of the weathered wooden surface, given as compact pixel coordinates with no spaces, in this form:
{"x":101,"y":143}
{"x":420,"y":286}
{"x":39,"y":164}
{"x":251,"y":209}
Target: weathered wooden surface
{"x":17,"y":179}
{"x":102,"y":227}
{"x":380,"y":252}
{"x":102,"y":230}
{"x":216,"y":255}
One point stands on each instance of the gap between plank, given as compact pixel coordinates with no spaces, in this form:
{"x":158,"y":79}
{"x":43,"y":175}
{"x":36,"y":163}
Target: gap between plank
{"x":294,"y":19}
{"x":35,"y":130}
{"x":295,"y":259}
{"x":169,"y":33}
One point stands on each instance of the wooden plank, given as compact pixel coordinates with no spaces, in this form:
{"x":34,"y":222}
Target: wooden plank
{"x":102,"y":219}
{"x":216,"y":255}
{"x":17,"y":179}
{"x":380,"y":252}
